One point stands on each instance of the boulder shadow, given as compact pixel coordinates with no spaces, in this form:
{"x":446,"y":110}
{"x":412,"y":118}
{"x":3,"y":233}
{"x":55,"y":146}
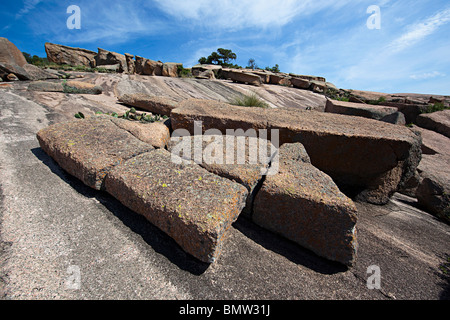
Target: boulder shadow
{"x":287,"y":248}
{"x":159,"y":241}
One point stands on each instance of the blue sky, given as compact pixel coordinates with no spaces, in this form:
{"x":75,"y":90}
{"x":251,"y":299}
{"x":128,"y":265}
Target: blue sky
{"x":329,"y":38}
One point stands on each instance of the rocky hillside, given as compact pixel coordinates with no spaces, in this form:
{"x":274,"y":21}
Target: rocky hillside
{"x":338,"y":153}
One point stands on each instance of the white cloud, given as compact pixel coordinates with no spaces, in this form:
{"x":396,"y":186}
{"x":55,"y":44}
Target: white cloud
{"x":240,"y":14}
{"x":427,"y":75}
{"x":420,"y":31}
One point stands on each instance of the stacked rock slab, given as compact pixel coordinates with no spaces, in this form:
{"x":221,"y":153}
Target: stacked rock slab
{"x":304,"y":205}
{"x":382,"y":113}
{"x":196,"y":208}
{"x":368,"y":159}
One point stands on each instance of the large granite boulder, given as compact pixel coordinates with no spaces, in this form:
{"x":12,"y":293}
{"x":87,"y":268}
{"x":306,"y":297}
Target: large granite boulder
{"x":10,"y":54}
{"x":153,"y":68}
{"x":71,"y":56}
{"x":304,"y":205}
{"x":194,"y":207}
{"x":368,"y":159}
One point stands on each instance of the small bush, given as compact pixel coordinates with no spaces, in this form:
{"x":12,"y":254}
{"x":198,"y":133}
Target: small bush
{"x":249,"y":101}
{"x":435,"y":107}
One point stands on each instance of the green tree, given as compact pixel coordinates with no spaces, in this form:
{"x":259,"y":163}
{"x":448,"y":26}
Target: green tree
{"x":252,"y":64}
{"x":221,"y":57}
{"x":275,"y":68}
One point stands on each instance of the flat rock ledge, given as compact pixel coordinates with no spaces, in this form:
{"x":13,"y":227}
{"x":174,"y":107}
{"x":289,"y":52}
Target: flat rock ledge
{"x":368,"y":159}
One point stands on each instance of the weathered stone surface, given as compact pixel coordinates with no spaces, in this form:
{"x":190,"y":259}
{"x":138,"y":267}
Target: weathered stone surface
{"x":67,"y":55}
{"x":10,"y":54}
{"x":300,"y":83}
{"x":436,"y":121}
{"x":156,"y":133}
{"x":244,"y":77}
{"x":107,"y":58}
{"x":191,"y":205}
{"x":433,"y":192}
{"x":359,"y":110}
{"x":366,"y":158}
{"x":304,"y":205}
{"x":243,"y":159}
{"x":82,"y":87}
{"x":46,"y":86}
{"x":156,"y":105}
{"x":170,"y":69}
{"x":89,"y":148}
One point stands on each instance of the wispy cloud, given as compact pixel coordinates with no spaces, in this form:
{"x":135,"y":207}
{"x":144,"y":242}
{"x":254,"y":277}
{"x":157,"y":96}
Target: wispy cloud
{"x":28,"y":5}
{"x":427,"y":75}
{"x":241,"y":14}
{"x":420,"y":31}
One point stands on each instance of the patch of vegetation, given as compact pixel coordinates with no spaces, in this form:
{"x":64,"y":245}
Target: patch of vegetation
{"x":183,"y":72}
{"x":37,"y":61}
{"x":79,"y":115}
{"x":380,"y":100}
{"x":445,"y":267}
{"x":251,"y":100}
{"x":131,"y":115}
{"x":439,"y":106}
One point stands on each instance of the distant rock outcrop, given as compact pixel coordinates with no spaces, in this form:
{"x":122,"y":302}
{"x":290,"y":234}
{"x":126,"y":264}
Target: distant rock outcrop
{"x":60,"y":54}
